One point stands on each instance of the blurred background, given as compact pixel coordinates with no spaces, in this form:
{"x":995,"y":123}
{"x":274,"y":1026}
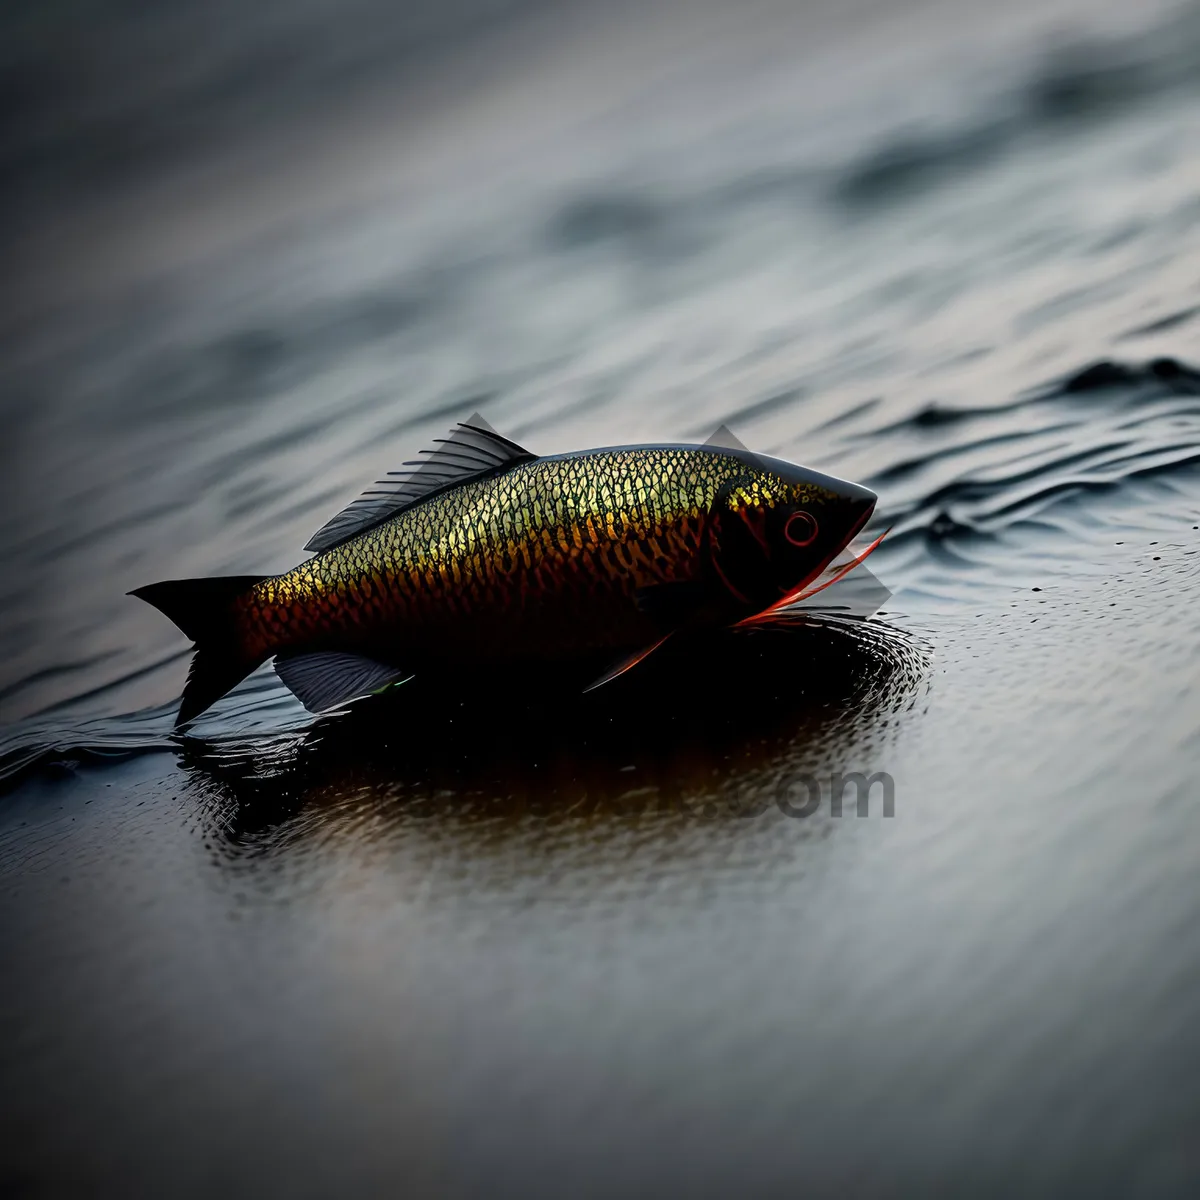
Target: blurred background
{"x":256,"y":256}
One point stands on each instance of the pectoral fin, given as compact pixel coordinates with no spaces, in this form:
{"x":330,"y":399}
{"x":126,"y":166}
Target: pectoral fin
{"x":625,"y":664}
{"x":327,"y":678}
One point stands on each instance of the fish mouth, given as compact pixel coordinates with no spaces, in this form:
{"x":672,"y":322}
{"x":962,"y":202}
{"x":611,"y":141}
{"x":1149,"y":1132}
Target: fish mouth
{"x":865,"y":502}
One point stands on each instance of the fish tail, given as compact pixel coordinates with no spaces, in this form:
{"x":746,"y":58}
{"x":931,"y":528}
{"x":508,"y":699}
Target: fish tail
{"x":205,"y":609}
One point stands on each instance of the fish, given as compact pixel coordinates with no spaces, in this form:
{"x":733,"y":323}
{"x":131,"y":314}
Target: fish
{"x":483,"y":555}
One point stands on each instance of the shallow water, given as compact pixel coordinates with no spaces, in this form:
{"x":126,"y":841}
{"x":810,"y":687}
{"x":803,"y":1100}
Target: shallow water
{"x":483,"y":940}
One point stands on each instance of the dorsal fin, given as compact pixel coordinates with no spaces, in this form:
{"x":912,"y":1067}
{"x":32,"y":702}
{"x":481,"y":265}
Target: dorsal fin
{"x":472,"y":451}
{"x":726,"y":439}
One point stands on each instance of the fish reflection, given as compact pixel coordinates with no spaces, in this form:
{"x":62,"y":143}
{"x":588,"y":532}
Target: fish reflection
{"x":715,"y":728}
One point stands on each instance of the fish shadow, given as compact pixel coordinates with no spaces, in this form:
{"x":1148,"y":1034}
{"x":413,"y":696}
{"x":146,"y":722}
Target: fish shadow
{"x":705,"y":727}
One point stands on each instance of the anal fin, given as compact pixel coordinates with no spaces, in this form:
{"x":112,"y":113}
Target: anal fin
{"x":326,"y":679}
{"x":625,"y":664}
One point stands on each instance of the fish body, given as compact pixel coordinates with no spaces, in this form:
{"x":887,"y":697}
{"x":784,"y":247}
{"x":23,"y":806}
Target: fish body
{"x":529,"y":559}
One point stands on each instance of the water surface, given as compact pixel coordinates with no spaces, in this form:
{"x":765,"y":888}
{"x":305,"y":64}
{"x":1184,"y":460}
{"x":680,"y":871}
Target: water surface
{"x":479,"y":941}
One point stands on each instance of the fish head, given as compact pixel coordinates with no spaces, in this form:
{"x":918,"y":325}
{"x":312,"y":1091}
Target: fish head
{"x":780,"y":526}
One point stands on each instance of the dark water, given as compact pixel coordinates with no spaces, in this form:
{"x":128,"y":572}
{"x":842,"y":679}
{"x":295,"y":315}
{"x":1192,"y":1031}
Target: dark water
{"x":467,"y":942}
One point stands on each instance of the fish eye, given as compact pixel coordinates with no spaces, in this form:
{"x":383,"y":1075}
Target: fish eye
{"x":801,"y":529}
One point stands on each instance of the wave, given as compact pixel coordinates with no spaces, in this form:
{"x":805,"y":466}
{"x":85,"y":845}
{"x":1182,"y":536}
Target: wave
{"x":1078,"y":85}
{"x":1092,"y":431}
